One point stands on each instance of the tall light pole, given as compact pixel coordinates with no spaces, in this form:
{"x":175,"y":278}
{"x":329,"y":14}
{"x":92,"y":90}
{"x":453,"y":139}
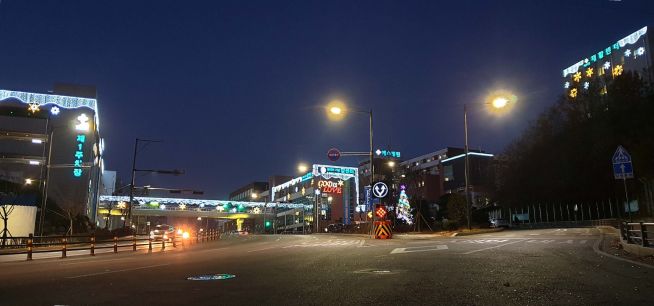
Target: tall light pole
{"x":498,"y":101}
{"x":335,"y":110}
{"x":134,"y":170}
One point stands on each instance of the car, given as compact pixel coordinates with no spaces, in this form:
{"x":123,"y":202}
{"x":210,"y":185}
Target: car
{"x":335,"y":228}
{"x":499,"y":223}
{"x":162,"y":232}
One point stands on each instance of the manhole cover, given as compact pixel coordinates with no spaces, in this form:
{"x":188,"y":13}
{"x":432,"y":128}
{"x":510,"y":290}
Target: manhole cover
{"x":210,"y":277}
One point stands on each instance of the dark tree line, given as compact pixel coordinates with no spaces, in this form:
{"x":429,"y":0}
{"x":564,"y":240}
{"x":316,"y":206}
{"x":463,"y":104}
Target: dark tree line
{"x":565,"y":155}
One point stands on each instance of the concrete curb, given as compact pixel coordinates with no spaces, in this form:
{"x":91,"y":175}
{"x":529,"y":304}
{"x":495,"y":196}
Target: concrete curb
{"x":491,"y":230}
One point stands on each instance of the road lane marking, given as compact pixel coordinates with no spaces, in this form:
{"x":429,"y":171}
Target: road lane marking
{"x":116,"y":271}
{"x":419,"y":249}
{"x":493,"y":247}
{"x":583,"y":241}
{"x":263,"y":249}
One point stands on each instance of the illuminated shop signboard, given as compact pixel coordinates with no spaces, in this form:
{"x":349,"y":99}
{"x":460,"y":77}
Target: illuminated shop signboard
{"x":331,"y":187}
{"x":387,"y":153}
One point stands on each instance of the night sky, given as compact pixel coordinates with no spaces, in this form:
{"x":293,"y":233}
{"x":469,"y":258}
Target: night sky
{"x":234,"y":88}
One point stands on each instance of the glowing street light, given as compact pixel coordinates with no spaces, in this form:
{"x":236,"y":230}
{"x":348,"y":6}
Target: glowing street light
{"x":391,"y":163}
{"x":302,"y":168}
{"x":254,"y":196}
{"x":336,"y":110}
{"x":28,"y":181}
{"x":499,"y":101}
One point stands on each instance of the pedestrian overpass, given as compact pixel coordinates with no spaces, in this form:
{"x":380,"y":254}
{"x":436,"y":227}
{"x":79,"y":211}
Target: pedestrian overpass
{"x":193,"y":208}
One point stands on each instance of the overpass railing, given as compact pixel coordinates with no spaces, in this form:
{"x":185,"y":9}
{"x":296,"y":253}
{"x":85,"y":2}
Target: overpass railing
{"x":63,"y":244}
{"x":640,"y":233}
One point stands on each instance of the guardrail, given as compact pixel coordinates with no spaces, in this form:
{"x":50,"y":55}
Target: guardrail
{"x":638,"y":233}
{"x":50,"y":244}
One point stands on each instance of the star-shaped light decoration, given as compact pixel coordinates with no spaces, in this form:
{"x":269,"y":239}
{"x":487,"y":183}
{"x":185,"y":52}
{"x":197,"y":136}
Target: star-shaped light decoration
{"x":220,"y":208}
{"x":182,"y":206}
{"x":573,"y":93}
{"x":566,"y":85}
{"x":640,"y":51}
{"x":54,"y":110}
{"x":577,"y":77}
{"x":607,"y":65}
{"x":586,"y":85}
{"x":627,"y":53}
{"x":34,"y":107}
{"x":256,"y":210}
{"x":340,"y":183}
{"x":617,"y":70}
{"x":589,"y":72}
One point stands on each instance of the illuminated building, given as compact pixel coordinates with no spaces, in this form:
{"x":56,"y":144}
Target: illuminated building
{"x":53,"y":139}
{"x":333,"y":189}
{"x":595,"y":72}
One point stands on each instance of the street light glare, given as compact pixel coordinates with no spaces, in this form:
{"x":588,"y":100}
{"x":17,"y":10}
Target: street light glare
{"x":254,"y":195}
{"x":391,"y":164}
{"x":500,"y":102}
{"x":302,"y":168}
{"x":335,"y":110}
{"x":28,"y":181}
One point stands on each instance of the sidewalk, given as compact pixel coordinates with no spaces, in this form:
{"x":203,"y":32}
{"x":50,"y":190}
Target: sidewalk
{"x":612,"y":246}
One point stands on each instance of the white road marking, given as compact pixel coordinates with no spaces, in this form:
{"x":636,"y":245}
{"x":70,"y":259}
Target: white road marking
{"x":116,"y":271}
{"x":493,"y":247}
{"x":257,"y":250}
{"x":582,"y":242}
{"x":419,"y":249}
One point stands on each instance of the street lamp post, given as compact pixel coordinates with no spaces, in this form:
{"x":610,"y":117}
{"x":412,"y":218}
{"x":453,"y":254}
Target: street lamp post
{"x":336,"y":109}
{"x":134,"y":170}
{"x":498,"y":102}
{"x":467,"y":164}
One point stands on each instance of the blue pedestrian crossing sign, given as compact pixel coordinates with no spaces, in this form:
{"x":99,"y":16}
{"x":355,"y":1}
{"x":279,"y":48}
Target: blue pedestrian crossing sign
{"x":622,"y":166}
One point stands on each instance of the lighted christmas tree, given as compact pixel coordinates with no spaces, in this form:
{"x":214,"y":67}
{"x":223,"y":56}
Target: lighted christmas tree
{"x":403,"y":210}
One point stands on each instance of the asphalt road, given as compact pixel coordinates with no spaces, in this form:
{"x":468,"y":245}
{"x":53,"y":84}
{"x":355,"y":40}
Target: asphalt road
{"x":528,"y":267}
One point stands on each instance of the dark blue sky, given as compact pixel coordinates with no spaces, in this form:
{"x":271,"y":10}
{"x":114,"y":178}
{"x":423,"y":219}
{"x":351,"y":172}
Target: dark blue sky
{"x":233,"y":87}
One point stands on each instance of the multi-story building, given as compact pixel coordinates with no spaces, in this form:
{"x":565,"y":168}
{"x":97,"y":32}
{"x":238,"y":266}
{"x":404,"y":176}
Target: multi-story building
{"x":428,"y":177}
{"x":595,"y":72}
{"x":249,"y":192}
{"x":52,"y":141}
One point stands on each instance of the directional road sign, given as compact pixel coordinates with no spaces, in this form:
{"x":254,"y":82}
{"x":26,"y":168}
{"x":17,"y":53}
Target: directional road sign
{"x":380,"y":189}
{"x":622,"y":166}
{"x":333,"y":154}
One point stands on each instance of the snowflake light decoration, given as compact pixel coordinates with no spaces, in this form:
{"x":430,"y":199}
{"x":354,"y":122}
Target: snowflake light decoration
{"x":617,"y":70}
{"x":573,"y":93}
{"x":577,"y":77}
{"x":586,"y":85}
{"x":640,"y":51}
{"x":220,"y":208}
{"x":589,"y":72}
{"x":607,"y":65}
{"x":182,"y":206}
{"x":566,"y":85}
{"x":627,"y":53}
{"x":54,"y":110}
{"x":256,"y":210}
{"x":34,"y":107}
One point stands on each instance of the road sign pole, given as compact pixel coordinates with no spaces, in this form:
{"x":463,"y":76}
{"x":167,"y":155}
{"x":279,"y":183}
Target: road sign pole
{"x":626,"y":193}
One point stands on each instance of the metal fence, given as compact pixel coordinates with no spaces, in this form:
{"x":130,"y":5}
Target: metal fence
{"x":64,"y":244}
{"x":638,"y":233}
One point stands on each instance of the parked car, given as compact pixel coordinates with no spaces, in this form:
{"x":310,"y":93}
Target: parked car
{"x":499,"y":223}
{"x":335,"y":228}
